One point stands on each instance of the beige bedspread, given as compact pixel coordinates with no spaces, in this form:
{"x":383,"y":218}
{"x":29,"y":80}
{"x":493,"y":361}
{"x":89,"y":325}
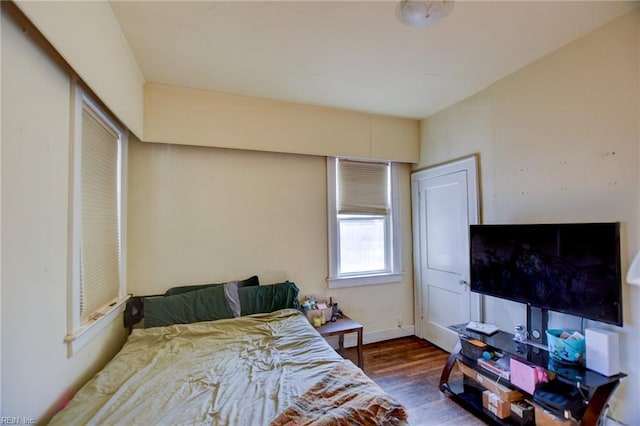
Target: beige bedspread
{"x":241,"y":371}
{"x":343,"y":397}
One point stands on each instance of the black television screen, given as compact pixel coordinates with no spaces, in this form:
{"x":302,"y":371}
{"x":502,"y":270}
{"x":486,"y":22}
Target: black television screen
{"x":570,"y":268}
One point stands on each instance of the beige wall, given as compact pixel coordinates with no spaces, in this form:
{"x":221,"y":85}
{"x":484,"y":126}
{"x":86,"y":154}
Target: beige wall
{"x":37,"y":375}
{"x":195,"y":214}
{"x":559,"y":142}
{"x":87,"y":35}
{"x":180,"y":115}
{"x":157,"y":113}
{"x":199,"y":214}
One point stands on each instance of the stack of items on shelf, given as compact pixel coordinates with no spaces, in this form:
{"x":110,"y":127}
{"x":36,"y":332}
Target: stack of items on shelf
{"x":320,"y":311}
{"x":500,"y":399}
{"x":486,"y":357}
{"x":504,"y":402}
{"x":507,"y":379}
{"x":496,"y":363}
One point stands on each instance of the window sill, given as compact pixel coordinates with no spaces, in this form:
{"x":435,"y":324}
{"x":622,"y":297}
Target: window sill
{"x":81,"y":336}
{"x":364,"y":280}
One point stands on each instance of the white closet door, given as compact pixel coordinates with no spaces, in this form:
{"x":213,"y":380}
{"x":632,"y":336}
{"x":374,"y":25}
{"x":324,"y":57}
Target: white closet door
{"x":445,"y":202}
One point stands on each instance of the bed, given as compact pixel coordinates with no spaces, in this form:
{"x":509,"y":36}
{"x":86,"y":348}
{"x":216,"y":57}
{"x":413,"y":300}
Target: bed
{"x":253,"y":368}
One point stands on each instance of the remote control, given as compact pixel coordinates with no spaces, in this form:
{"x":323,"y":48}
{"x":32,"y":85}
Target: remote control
{"x":482,"y":328}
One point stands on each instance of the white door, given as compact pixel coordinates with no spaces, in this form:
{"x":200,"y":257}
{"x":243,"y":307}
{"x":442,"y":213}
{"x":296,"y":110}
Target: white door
{"x":445,"y":202}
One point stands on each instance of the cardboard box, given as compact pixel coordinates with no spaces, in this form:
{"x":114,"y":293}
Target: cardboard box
{"x":467,"y":371}
{"x":496,"y":406}
{"x":505,"y":393}
{"x":522,"y":413}
{"x":472,"y":348}
{"x":545,"y":418}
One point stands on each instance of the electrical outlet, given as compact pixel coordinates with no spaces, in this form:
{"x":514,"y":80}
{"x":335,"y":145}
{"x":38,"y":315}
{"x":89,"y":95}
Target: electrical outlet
{"x":399,"y":322}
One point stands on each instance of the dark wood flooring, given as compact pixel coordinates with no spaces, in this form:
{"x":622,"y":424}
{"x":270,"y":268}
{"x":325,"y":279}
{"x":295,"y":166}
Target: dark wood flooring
{"x":409,"y":369}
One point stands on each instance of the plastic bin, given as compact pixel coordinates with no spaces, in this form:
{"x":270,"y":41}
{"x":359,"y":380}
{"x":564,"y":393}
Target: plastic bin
{"x":569,"y":350}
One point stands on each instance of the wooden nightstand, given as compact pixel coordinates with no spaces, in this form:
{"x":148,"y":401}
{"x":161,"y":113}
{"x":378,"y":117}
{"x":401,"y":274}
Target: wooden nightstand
{"x":341,"y":327}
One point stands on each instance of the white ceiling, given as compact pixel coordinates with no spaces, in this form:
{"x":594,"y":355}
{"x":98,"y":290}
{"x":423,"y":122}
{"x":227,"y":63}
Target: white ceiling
{"x":349,"y":54}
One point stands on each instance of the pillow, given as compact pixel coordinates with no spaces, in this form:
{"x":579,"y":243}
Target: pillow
{"x":206,"y":304}
{"x":218,"y":301}
{"x":268,"y":298}
{"x":249,"y":282}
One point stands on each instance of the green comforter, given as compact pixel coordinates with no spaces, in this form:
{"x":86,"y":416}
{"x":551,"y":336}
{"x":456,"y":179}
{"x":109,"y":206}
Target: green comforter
{"x":240,"y":371}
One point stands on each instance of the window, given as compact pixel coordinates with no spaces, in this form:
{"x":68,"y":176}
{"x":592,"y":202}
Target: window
{"x":98,"y":268}
{"x":364,"y":227}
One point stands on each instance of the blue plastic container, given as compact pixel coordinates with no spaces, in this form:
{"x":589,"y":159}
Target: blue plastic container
{"x":565,"y":350}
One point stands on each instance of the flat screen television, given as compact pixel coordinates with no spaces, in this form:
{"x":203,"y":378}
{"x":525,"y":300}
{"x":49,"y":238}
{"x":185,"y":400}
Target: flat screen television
{"x":569,"y":268}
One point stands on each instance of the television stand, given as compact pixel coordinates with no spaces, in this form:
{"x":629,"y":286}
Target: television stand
{"x":596,"y":387}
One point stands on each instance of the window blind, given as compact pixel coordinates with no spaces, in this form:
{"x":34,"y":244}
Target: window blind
{"x":363,"y":188}
{"x":100,"y":239}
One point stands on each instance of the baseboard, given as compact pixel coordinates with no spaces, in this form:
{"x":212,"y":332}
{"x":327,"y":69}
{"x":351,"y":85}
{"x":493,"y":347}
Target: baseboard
{"x":351,"y":340}
{"x":608,"y":421}
{"x":610,"y":413}
{"x":391,"y":333}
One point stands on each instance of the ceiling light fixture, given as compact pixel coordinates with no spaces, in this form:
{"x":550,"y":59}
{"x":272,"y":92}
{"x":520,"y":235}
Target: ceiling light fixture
{"x":422,"y":13}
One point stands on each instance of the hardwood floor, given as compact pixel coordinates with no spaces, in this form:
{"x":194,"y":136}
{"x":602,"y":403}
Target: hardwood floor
{"x":409,"y":369}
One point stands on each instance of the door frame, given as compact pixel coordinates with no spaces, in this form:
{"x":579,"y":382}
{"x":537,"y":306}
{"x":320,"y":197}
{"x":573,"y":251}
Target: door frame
{"x":469,"y":165}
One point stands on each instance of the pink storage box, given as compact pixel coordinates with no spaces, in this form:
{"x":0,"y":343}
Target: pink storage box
{"x":523,"y":376}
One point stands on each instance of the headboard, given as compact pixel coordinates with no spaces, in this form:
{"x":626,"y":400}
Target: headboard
{"x":133,"y":312}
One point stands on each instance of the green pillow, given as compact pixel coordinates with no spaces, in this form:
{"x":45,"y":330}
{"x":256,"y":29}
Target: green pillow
{"x":205,"y":304}
{"x":249,"y":282}
{"x":268,"y":298}
{"x":220,"y":301}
